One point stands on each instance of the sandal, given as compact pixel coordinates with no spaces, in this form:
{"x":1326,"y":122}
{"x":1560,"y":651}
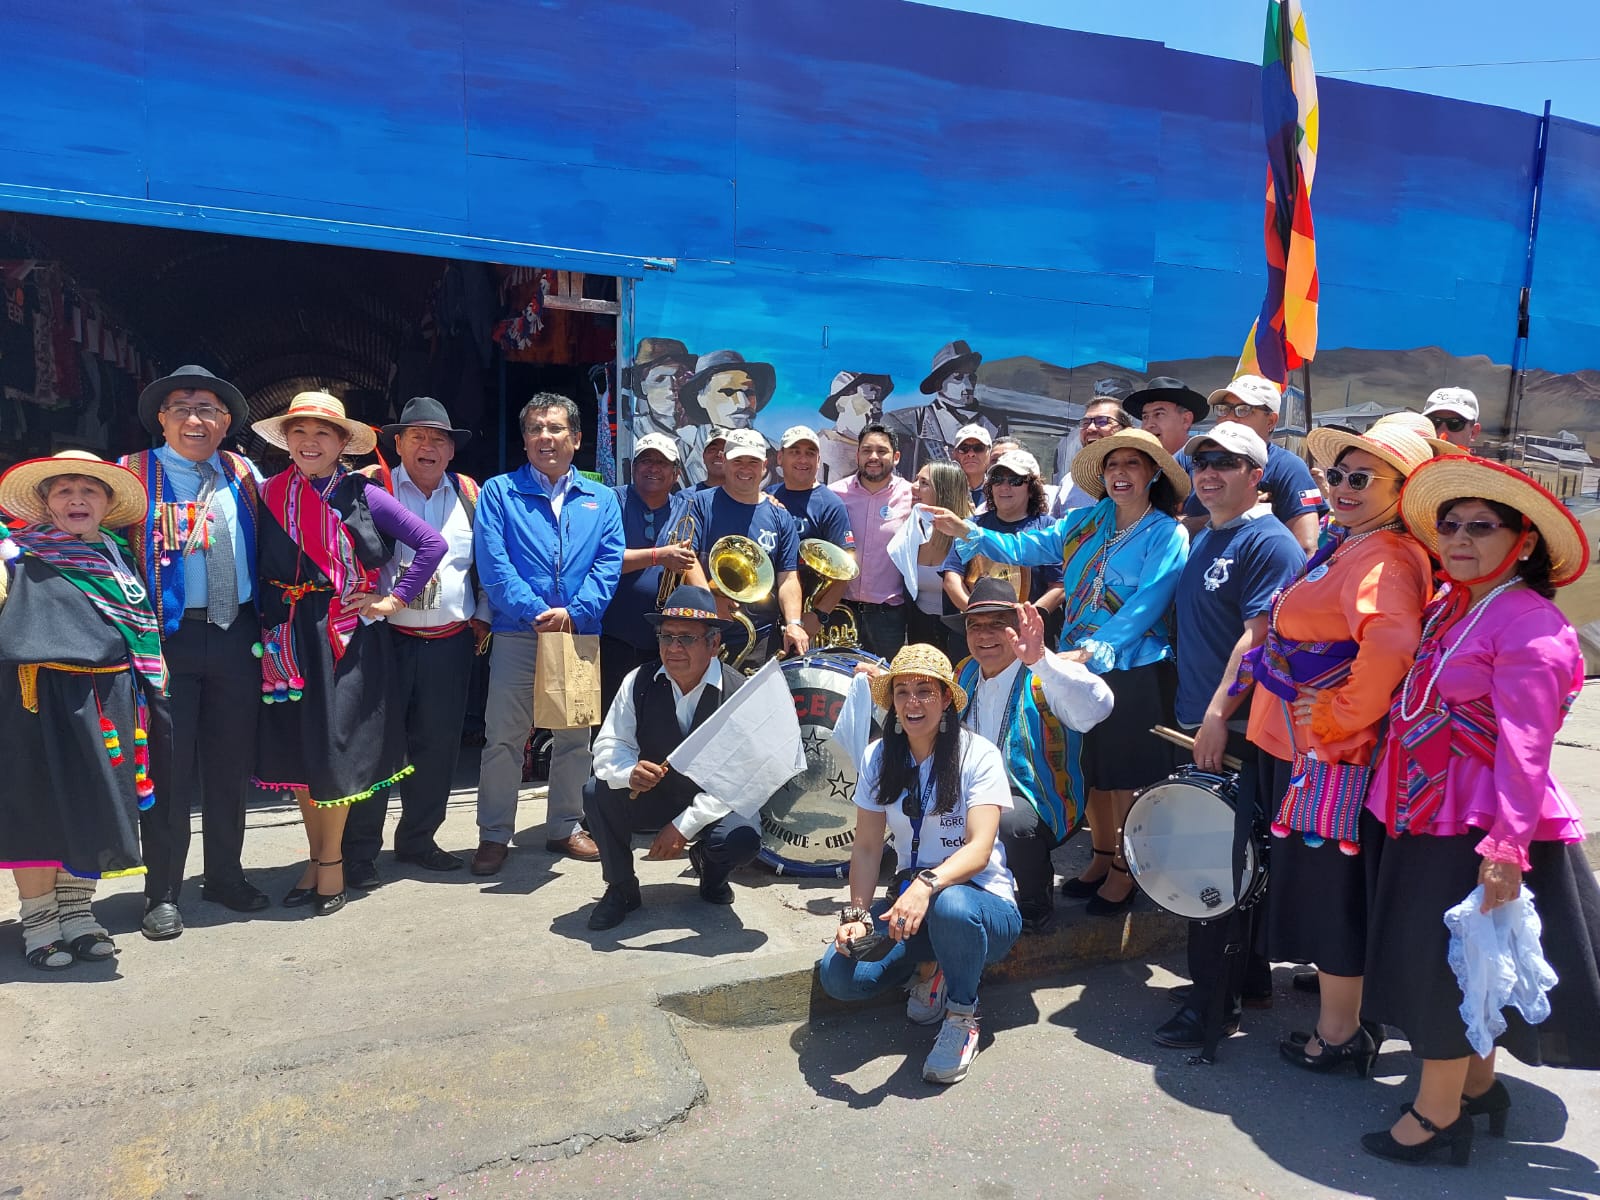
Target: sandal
{"x":324,"y":904}
{"x":40,"y":958}
{"x":1082,"y":889}
{"x":85,"y":945}
{"x":297,"y":897}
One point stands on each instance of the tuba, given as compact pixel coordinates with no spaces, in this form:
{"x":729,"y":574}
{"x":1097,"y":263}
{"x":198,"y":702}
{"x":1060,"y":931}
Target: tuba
{"x":832,"y":565}
{"x":682,"y":534}
{"x":738,"y":568}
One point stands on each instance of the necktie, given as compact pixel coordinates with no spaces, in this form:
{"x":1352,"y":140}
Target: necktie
{"x":222,"y":586}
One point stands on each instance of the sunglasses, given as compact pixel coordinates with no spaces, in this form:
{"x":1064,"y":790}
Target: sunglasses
{"x":685,"y":640}
{"x":1453,"y":424}
{"x":1216,"y":460}
{"x":1474,"y":529}
{"x":1220,"y":410}
{"x":972,"y":448}
{"x":1006,"y":479}
{"x":1358,"y":480}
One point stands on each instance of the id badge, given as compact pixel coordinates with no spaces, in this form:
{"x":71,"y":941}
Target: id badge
{"x":429,"y":596}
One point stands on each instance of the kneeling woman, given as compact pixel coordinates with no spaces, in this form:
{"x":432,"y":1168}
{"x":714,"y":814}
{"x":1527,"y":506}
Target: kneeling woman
{"x":1465,"y":792}
{"x":80,"y":668}
{"x":325,"y":532}
{"x":939,"y":789}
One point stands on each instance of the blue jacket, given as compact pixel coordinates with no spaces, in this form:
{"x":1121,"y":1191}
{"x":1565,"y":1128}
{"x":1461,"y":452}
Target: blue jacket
{"x":529,"y":563}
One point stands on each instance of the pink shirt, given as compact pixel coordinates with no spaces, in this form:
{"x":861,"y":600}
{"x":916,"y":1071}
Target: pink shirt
{"x":1523,"y":655}
{"x":874,"y":519}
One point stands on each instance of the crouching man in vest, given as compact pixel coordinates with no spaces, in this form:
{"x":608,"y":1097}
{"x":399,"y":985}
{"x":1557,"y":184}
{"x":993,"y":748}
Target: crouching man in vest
{"x":632,"y":791}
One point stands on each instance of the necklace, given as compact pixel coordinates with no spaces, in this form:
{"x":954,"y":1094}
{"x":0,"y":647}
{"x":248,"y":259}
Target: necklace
{"x":1278,"y":600}
{"x":132,"y":590}
{"x":1472,"y":618}
{"x":1097,"y":589}
{"x":325,"y":490}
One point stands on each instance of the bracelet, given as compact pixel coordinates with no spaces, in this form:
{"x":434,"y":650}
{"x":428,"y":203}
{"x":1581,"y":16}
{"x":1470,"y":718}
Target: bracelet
{"x":655,"y":555}
{"x":853,"y":913}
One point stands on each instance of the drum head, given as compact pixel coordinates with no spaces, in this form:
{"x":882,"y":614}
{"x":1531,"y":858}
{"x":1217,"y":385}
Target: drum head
{"x":1178,"y":841}
{"x":808,"y":826}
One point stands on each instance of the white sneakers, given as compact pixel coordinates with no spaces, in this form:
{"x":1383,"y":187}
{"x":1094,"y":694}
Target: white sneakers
{"x":955,"y":1048}
{"x":925,"y":1005}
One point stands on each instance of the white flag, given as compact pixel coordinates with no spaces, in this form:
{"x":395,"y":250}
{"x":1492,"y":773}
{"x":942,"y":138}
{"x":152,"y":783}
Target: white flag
{"x":750,"y":747}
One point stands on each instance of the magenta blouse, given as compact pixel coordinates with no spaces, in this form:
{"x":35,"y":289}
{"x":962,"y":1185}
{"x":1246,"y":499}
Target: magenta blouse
{"x":1523,"y":655}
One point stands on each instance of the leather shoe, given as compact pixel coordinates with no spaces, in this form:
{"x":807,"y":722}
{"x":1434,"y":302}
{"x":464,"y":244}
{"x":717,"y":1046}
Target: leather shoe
{"x":620,"y":900}
{"x":241,"y":896}
{"x":1187,"y":1030}
{"x":491,"y":856}
{"x":711,"y":893}
{"x":431,"y":859}
{"x":361,"y":873}
{"x":162,"y":921}
{"x":579,"y":846}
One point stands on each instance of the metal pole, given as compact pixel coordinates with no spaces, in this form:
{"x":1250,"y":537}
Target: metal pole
{"x":1519,"y":347}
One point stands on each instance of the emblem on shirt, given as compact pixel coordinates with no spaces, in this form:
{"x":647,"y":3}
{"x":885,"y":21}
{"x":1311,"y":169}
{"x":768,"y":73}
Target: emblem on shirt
{"x":1217,"y":573}
{"x":1318,"y":573}
{"x":883,"y":513}
{"x":768,"y":539}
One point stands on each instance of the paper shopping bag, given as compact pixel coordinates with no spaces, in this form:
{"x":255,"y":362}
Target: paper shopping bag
{"x":566,"y":681}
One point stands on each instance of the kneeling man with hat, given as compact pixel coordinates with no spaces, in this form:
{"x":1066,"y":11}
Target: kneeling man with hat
{"x":633,"y":791}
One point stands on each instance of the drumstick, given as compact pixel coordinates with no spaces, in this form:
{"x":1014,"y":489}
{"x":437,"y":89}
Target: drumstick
{"x":1179,"y":738}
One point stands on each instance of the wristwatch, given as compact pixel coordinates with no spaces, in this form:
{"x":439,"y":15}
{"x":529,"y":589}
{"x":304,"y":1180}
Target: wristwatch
{"x":929,"y":878}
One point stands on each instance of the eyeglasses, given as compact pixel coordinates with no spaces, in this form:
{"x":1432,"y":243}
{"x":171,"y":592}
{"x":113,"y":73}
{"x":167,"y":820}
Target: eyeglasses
{"x":1358,"y":480}
{"x":682,"y":640}
{"x":972,"y":448}
{"x":1102,"y":423}
{"x":1007,"y":479}
{"x":1220,"y":410}
{"x":1475,"y":529}
{"x":1453,"y":424}
{"x":1216,"y":460}
{"x":206,"y":412}
{"x":552,"y":430}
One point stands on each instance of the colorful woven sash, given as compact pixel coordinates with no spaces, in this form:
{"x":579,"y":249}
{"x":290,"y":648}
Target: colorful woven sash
{"x":321,"y":535}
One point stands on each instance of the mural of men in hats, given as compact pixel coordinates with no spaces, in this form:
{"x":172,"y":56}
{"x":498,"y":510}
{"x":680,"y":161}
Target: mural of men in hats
{"x":927,"y":431}
{"x":855,"y":400}
{"x":653,"y":384}
{"x":724,"y":392}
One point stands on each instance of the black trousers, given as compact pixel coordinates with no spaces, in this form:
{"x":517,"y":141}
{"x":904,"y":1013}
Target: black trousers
{"x":883,"y":627}
{"x":431,"y":679}
{"x":613,"y":819}
{"x":617,"y":658}
{"x":1028,"y":842}
{"x":214,"y":702}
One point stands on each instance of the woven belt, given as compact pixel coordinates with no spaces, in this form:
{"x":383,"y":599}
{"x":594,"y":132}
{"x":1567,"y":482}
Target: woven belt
{"x":28,"y":678}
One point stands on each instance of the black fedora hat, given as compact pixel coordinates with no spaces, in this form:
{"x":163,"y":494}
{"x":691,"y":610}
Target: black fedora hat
{"x":424,"y":412}
{"x":1165,"y":389}
{"x":763,"y":375}
{"x":989,"y":595}
{"x":689,"y":603}
{"x":198,"y":379}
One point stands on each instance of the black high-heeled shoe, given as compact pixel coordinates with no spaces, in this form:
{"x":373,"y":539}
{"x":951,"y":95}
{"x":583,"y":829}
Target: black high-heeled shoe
{"x":1082,"y":889}
{"x":323,"y":904}
{"x":299,"y":897}
{"x":1359,"y":1052}
{"x":1099,"y":906}
{"x":1455,"y":1137}
{"x":1494,"y":1104}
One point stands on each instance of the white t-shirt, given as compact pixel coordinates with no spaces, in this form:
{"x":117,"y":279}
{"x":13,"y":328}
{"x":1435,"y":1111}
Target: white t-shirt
{"x":983,"y":781}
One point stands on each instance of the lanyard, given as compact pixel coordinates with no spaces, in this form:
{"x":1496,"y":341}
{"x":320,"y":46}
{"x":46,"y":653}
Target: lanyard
{"x":922,"y":811}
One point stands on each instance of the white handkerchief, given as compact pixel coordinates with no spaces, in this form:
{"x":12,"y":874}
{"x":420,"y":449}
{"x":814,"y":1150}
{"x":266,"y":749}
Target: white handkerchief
{"x":905,"y":543}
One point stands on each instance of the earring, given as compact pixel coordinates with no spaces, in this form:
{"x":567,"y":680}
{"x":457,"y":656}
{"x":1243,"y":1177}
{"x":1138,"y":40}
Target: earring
{"x":894,"y":723}
{"x":942,"y":722}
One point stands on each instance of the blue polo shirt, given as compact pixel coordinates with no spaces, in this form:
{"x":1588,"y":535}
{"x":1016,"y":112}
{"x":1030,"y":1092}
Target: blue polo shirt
{"x":817,"y":513}
{"x":642,"y":526}
{"x":717,"y":514}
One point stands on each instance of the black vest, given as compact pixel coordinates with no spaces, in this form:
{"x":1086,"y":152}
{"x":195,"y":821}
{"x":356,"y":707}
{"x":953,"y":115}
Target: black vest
{"x":657,"y":728}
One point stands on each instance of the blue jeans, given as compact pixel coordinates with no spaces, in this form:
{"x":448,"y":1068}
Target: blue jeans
{"x":966,"y":929}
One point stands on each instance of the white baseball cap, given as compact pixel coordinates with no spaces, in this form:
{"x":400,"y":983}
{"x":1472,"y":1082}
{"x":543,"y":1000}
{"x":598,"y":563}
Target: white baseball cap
{"x":1254,"y":390}
{"x":1234,"y":438}
{"x":1018,"y":462}
{"x":745,"y":443}
{"x":660,"y":443}
{"x":796,"y":434}
{"x":1456,"y":400}
{"x":973,"y":433}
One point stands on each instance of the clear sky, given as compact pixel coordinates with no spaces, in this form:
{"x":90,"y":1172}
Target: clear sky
{"x":1350,"y":37}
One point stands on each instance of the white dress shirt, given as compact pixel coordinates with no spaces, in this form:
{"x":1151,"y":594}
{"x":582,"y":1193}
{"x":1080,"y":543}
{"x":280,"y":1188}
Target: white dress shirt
{"x":444,"y":512}
{"x":616,"y":748}
{"x":1077,"y":696}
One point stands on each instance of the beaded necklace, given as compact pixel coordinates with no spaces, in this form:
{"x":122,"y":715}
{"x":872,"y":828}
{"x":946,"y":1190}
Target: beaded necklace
{"x":325,"y":490}
{"x":1474,"y":614}
{"x":1097,"y":589}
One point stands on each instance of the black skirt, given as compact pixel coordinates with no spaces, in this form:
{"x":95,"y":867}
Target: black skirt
{"x":1120,"y":753}
{"x":1318,"y":911}
{"x":1410,"y":984}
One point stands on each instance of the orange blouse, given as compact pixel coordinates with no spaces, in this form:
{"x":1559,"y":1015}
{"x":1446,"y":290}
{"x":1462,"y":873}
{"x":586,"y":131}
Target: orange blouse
{"x":1372,"y":593}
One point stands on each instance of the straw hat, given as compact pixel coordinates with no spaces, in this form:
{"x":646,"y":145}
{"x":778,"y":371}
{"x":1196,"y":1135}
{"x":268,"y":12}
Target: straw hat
{"x":19,"y":494}
{"x":324,"y":408}
{"x":1464,"y":477}
{"x":1422,"y":427}
{"x":1394,"y":444}
{"x":918,"y":658}
{"x":1087,"y":463}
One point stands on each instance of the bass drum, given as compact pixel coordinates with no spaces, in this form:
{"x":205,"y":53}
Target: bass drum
{"x":809,"y":824}
{"x":1178,"y":840}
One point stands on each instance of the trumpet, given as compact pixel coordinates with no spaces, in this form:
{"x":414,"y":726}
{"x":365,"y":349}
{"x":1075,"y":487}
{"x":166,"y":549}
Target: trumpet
{"x":832,"y":565}
{"x":741,"y":570}
{"x":682,"y":534}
